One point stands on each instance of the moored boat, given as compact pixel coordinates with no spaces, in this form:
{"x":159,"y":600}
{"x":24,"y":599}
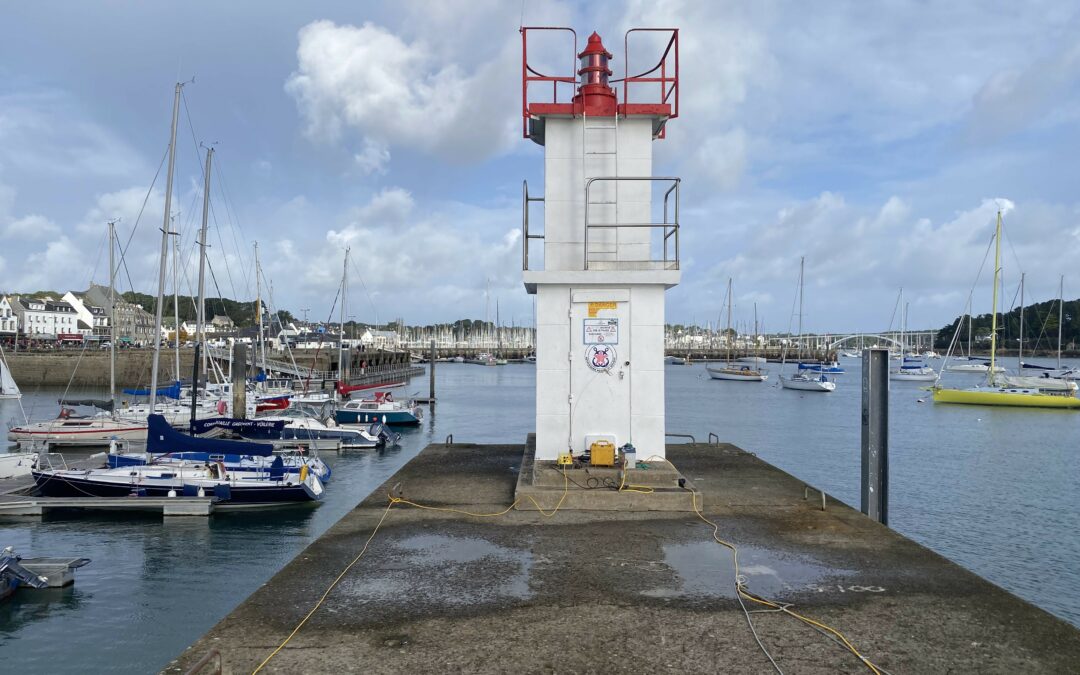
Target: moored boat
{"x":383,"y":408}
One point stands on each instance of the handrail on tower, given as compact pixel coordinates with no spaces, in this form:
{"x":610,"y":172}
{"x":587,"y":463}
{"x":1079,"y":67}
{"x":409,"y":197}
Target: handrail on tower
{"x":669,"y":228}
{"x":525,"y":234}
{"x":528,"y":74}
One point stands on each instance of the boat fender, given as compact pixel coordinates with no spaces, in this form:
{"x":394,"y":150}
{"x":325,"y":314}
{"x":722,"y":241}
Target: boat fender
{"x":221,"y":407}
{"x":389,"y":397}
{"x":303,"y":473}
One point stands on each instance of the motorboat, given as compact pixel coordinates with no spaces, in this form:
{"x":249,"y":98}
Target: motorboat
{"x":383,"y":408}
{"x":16,"y":464}
{"x":913,"y":371}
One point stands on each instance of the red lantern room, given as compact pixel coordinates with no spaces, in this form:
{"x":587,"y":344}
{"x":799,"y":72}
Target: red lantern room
{"x":595,"y":96}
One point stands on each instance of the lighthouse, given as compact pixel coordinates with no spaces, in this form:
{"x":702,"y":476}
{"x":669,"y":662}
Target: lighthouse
{"x":608,"y":246}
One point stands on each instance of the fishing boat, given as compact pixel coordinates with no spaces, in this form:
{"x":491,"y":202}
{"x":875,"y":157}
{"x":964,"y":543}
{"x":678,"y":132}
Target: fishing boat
{"x":8,"y":388}
{"x":993,"y":392}
{"x":805,"y":379}
{"x":383,"y":408}
{"x":731,"y":371}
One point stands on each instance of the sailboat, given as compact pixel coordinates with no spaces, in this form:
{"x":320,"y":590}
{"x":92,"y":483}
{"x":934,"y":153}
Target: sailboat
{"x":101,"y":428}
{"x":975,"y":364}
{"x":805,"y":380}
{"x":1057,"y":372}
{"x":912,"y":369}
{"x":1002,"y":394}
{"x":731,"y":371}
{"x":8,"y":388}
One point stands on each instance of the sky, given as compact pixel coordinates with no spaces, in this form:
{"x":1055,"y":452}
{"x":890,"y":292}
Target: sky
{"x":878,"y":140}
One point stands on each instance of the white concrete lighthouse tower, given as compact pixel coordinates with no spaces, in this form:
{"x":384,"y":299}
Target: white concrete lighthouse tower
{"x":610,"y":249}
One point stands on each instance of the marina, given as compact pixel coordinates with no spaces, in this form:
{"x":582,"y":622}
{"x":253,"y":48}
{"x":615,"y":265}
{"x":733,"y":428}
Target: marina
{"x":224,"y":408}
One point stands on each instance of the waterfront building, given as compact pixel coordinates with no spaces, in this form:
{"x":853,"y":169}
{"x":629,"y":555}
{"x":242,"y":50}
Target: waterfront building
{"x":380,"y":339}
{"x":93,"y":319}
{"x":134,"y":325}
{"x":46,"y":318}
{"x":221,"y":323}
{"x":9,"y":320}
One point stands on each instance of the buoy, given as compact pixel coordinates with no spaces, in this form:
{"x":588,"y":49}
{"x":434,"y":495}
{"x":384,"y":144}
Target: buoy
{"x":202,"y":492}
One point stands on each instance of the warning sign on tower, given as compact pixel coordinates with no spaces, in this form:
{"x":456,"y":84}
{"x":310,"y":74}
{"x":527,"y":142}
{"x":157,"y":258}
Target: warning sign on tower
{"x":601,"y":331}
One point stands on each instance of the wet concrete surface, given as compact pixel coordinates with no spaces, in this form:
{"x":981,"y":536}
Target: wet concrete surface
{"x":586,"y":591}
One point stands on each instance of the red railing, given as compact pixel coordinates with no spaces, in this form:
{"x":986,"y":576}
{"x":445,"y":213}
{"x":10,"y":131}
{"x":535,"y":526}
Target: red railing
{"x":669,"y":84}
{"x":665,"y":74}
{"x":529,"y":75}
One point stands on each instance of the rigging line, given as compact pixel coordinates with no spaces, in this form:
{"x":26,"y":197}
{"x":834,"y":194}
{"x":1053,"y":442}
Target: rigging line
{"x":123,"y":249}
{"x":371,"y":301}
{"x":968,"y":309}
{"x":202,"y":173}
{"x":234,"y":221}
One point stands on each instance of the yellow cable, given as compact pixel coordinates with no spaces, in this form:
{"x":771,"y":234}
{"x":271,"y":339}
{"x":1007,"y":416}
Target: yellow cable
{"x":390,"y":504}
{"x":327,"y":592}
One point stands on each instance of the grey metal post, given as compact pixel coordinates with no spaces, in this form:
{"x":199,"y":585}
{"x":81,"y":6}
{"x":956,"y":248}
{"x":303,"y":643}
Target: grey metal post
{"x":875,"y":434}
{"x":431,"y":375}
{"x":239,"y":381}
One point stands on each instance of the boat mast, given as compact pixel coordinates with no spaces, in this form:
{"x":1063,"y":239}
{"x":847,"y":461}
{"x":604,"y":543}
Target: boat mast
{"x":1061,"y":314}
{"x":802,"y":265}
{"x":112,"y":315}
{"x":727,"y":335}
{"x":993,"y":313}
{"x":1020,"y":350}
{"x":341,"y":317}
{"x":176,"y":304}
{"x":164,"y":247}
{"x":200,"y":310}
{"x":258,"y":308}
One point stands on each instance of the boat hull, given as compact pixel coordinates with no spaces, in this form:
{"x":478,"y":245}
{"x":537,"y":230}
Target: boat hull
{"x":913,"y":377}
{"x":13,"y":465}
{"x":393,"y":417}
{"x":737,"y":374}
{"x":91,"y":433}
{"x":54,"y":484}
{"x":807,"y":385}
{"x":998,"y":397}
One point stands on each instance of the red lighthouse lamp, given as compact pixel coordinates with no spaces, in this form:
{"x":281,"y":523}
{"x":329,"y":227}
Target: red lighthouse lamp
{"x":595,"y":97}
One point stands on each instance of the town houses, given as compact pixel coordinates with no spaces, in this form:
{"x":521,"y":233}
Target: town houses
{"x":74,"y":318}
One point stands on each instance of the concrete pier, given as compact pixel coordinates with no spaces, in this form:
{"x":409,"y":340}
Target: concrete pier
{"x":644,"y":591}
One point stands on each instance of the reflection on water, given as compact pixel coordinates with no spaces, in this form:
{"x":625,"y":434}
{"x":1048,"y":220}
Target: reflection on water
{"x":993,"y":489}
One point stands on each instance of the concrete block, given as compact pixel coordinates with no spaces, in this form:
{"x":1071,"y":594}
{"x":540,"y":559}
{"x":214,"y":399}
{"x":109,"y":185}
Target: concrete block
{"x":188,"y":507}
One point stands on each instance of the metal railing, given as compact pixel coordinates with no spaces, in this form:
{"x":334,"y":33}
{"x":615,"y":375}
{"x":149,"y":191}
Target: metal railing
{"x":670,"y":228}
{"x":669,"y":83}
{"x":526,"y":235}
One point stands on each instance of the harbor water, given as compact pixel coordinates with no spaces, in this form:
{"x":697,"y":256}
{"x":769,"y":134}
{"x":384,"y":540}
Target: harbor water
{"x":993,"y":489}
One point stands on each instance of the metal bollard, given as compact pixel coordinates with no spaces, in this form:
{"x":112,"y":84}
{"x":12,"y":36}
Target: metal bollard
{"x":875,"y":434}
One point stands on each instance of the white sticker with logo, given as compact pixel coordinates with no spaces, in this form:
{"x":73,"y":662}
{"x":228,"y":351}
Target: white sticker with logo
{"x":600,"y":357}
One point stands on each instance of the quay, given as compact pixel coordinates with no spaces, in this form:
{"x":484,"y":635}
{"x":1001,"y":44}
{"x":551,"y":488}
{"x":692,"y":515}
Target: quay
{"x":604,"y":591}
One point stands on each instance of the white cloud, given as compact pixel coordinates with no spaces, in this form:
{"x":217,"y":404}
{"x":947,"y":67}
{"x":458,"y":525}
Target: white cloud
{"x":391,"y":91}
{"x":373,"y":158}
{"x":32,"y":227}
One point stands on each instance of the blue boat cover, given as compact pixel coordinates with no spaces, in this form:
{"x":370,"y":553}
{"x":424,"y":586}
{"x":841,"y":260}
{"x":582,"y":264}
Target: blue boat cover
{"x":162,"y":439}
{"x":172,"y":391}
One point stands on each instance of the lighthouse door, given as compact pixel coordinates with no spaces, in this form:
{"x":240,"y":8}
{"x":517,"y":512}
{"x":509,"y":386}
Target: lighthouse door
{"x":599,"y":367}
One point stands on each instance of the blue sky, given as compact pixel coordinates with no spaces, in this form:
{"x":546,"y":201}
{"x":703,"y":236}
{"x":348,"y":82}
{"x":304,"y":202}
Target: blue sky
{"x":876,"y":139}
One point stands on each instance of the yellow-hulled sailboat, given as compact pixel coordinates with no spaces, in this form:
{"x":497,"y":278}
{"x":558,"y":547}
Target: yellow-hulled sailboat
{"x":991,"y":393}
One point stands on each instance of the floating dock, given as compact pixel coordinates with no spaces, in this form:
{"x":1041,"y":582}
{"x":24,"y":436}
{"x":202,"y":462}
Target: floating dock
{"x":603,"y":591}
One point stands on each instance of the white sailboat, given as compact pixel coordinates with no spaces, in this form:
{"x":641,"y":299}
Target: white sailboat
{"x":1046,"y":380}
{"x":805,"y":380}
{"x":8,"y":388}
{"x":732,"y":371}
{"x":910,"y":369}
